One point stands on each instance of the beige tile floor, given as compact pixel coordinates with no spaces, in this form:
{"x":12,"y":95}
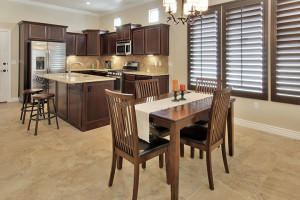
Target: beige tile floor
{"x":69,"y":164}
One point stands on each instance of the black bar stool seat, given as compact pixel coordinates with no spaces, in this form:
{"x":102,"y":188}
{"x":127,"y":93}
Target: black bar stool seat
{"x":26,"y":100}
{"x":41,"y":98}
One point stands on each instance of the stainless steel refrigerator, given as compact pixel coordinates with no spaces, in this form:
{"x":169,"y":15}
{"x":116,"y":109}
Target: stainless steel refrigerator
{"x":46,"y":58}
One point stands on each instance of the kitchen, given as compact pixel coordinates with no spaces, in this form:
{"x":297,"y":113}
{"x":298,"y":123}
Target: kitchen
{"x":43,"y":165}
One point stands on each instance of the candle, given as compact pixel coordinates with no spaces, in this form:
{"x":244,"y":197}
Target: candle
{"x":182,"y":87}
{"x":175,"y":85}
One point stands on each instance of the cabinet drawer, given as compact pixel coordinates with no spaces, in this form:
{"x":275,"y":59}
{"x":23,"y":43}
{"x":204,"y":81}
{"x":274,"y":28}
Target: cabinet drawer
{"x":38,"y":32}
{"x":139,"y":77}
{"x":130,"y":77}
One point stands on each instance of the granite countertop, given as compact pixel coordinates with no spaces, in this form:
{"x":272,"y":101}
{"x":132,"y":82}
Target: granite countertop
{"x":147,"y":73}
{"x":75,"y":78}
{"x":78,"y":70}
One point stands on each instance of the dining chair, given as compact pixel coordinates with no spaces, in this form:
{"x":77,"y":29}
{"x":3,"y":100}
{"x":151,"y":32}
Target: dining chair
{"x":205,"y":86}
{"x":150,"y":88}
{"x":211,"y":137}
{"x":126,"y":143}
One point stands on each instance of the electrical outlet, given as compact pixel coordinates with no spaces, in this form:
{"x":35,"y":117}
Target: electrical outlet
{"x":255,"y":105}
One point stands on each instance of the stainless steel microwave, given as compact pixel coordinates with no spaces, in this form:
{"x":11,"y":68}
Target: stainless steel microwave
{"x":123,"y":48}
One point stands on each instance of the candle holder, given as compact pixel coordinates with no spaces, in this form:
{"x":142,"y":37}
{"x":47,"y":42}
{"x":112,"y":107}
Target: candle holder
{"x":182,"y":96}
{"x":175,"y":97}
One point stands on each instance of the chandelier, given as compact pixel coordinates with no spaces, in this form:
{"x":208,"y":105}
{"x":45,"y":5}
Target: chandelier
{"x":190,"y":10}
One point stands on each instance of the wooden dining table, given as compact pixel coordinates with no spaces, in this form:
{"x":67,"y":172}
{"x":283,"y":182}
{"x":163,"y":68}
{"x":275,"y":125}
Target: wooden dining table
{"x":178,"y":117}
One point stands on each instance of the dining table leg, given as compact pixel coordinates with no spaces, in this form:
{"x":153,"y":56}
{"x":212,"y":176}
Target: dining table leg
{"x":174,"y":160}
{"x":230,"y":127}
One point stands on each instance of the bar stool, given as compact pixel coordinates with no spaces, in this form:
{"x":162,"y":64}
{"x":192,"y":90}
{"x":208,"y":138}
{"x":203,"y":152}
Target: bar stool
{"x":26,"y":99}
{"x":40,"y":98}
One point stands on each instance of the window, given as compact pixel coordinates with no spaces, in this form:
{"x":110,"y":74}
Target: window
{"x":153,"y":15}
{"x":285,"y":55}
{"x":244,"y":44}
{"x":117,"y":22}
{"x":204,"y":44}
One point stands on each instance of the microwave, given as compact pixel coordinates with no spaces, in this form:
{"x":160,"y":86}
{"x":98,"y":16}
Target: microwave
{"x":123,"y":48}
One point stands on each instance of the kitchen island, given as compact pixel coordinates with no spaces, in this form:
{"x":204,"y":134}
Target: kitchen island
{"x":80,"y":99}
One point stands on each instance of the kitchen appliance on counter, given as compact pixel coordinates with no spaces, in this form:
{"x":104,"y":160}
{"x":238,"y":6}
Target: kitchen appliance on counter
{"x":46,"y":58}
{"x":107,"y":64}
{"x":118,"y":74}
{"x":123,"y":48}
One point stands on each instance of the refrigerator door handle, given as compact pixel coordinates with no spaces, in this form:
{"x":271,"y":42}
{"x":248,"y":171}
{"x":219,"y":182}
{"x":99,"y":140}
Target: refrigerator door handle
{"x":49,"y":63}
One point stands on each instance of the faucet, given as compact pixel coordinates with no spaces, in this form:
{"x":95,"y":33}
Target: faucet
{"x":70,"y":67}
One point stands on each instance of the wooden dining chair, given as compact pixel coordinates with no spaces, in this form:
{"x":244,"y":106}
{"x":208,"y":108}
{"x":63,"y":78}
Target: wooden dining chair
{"x":150,"y":88}
{"x":205,"y":86}
{"x":126,"y":143}
{"x":208,"y":139}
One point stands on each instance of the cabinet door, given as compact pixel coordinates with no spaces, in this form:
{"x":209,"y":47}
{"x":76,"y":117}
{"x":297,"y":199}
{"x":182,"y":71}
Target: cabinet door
{"x":93,"y":43}
{"x":163,"y":83}
{"x":152,"y":40}
{"x":112,"y":46}
{"x":56,"y":33}
{"x":126,"y":33}
{"x":37,"y":32}
{"x":75,"y":105}
{"x":138,"y":41}
{"x":119,"y":33}
{"x":81,"y":45}
{"x":71,"y":43}
{"x":104,"y":43}
{"x":164,"y":41}
{"x":62,"y":100}
{"x":129,"y":87}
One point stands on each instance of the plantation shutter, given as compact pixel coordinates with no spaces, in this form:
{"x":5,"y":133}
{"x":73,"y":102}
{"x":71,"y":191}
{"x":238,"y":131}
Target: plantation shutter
{"x":286,"y":52}
{"x":244,"y":49}
{"x":204,"y":47}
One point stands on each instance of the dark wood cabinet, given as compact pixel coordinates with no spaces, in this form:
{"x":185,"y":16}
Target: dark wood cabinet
{"x":108,"y":44}
{"x":37,"y":32}
{"x":93,"y":41}
{"x":75,"y":98}
{"x":70,"y":44}
{"x":112,"y":47}
{"x":80,"y":44}
{"x":157,"y":39}
{"x":56,"y":33}
{"x":61,"y":100}
{"x":138,"y":41}
{"x":124,"y":31}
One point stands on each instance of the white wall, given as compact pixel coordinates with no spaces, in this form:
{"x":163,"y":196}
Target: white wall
{"x":11,"y":13}
{"x":270,"y":113}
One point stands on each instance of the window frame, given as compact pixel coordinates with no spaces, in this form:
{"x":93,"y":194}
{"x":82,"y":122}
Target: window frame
{"x":149,"y":15}
{"x":209,"y":10}
{"x":230,"y":5}
{"x":115,"y":26}
{"x":274,"y":97}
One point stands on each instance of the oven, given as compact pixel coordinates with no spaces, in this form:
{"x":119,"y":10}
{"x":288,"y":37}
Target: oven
{"x":123,"y":48}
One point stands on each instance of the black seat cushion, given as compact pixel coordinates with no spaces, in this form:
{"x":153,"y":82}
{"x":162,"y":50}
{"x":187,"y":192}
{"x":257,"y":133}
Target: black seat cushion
{"x":202,"y":122}
{"x":159,"y":129}
{"x":194,"y":133}
{"x":155,"y":144}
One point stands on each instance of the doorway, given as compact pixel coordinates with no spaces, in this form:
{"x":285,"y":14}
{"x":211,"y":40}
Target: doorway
{"x":5,"y":80}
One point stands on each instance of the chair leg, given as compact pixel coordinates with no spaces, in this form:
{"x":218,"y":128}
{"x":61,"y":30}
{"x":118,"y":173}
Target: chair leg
{"x":113,"y":169}
{"x":55,"y":113}
{"x":24,"y":112}
{"x":167,"y":157}
{"x":136,"y":181}
{"x":161,"y":160}
{"x":225,"y":158}
{"x":119,"y":162}
{"x":22,"y":109}
{"x":144,"y":165}
{"x":192,"y":152}
{"x":200,"y":154}
{"x":31,"y":114}
{"x":181,"y":150}
{"x":43,"y":108}
{"x":37,"y":117}
{"x":48,"y":111}
{"x":209,"y":170}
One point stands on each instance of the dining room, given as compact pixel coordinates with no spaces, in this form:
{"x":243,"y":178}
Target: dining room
{"x":205,"y":105}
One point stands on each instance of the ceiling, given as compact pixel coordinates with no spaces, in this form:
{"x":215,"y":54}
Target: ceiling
{"x":99,"y":7}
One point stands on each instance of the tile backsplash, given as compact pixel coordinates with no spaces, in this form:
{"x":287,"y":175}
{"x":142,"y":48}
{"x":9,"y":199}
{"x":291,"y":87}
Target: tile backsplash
{"x":147,"y":63}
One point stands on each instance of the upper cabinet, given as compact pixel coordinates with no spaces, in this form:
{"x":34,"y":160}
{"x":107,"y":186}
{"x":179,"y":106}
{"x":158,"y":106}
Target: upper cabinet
{"x":43,"y":32}
{"x":93,"y":41}
{"x":76,"y":44}
{"x":108,"y":44}
{"x":70,"y":44}
{"x":157,"y":39}
{"x":124,"y":31}
{"x":151,"y":40}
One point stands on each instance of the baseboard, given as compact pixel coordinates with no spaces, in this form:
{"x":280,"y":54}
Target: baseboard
{"x":16,"y":99}
{"x":268,"y":128}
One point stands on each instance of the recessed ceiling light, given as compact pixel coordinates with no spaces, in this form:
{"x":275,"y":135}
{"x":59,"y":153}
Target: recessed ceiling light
{"x":88,"y":3}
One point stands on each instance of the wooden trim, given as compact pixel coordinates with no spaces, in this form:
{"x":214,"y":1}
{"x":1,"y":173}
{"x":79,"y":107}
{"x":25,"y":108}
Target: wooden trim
{"x":43,"y":24}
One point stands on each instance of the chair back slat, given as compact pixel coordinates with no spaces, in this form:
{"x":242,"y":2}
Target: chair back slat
{"x":218,"y":116}
{"x":147,"y":88}
{"x":207,"y":86}
{"x":123,"y":121}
